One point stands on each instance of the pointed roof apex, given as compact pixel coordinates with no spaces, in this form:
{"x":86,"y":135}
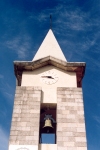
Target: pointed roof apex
{"x":49,"y":47}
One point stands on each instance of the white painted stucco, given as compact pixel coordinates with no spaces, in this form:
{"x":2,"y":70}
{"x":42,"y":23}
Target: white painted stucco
{"x":23,"y":147}
{"x":33,"y":78}
{"x":47,"y":146}
{"x":33,"y":147}
{"x":49,"y":47}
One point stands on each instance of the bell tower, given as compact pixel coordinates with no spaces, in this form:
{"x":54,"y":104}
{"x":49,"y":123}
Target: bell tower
{"x":48,"y":108}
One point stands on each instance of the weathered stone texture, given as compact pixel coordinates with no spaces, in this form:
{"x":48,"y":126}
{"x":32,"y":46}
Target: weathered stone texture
{"x":71,"y":133}
{"x":26,"y":115}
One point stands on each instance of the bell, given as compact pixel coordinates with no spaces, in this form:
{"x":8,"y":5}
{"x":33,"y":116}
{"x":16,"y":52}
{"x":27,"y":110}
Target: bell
{"x":48,"y":123}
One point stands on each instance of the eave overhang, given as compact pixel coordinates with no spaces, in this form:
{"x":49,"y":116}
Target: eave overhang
{"x":78,"y":67}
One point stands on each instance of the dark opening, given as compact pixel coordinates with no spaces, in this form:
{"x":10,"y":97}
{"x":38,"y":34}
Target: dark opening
{"x":47,"y":131}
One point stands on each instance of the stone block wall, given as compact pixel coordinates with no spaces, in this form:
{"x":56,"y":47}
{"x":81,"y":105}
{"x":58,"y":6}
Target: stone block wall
{"x":71,"y":134}
{"x":26,"y":115}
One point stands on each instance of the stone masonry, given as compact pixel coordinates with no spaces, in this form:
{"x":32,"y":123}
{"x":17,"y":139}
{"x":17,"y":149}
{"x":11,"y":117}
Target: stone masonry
{"x":26,"y":115}
{"x":71,"y":134}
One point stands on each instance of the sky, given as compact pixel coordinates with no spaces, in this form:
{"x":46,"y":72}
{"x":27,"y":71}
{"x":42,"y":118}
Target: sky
{"x":76,"y":26}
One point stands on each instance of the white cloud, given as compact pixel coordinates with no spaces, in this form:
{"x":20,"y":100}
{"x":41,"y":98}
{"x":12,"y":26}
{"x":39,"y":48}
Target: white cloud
{"x":68,"y":23}
{"x":20,"y":44}
{"x":1,"y":76}
{"x":9,"y":95}
{"x":65,"y":18}
{"x":7,"y":91}
{"x":97,"y":119}
{"x":3,"y":139}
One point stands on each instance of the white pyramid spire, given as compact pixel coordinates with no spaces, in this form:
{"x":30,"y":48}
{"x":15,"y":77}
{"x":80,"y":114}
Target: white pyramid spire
{"x":49,"y":47}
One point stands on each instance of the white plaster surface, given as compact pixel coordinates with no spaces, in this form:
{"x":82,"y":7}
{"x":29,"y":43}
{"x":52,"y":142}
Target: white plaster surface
{"x":33,"y":78}
{"x":47,"y":146}
{"x":34,"y":147}
{"x":49,"y":47}
{"x":49,"y":95}
{"x":23,"y":147}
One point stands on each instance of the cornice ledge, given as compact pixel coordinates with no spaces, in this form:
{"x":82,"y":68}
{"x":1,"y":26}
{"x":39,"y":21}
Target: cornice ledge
{"x":20,"y":66}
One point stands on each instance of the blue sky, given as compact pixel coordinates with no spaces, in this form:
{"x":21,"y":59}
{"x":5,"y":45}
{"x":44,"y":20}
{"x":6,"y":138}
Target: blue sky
{"x":76,"y":25}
